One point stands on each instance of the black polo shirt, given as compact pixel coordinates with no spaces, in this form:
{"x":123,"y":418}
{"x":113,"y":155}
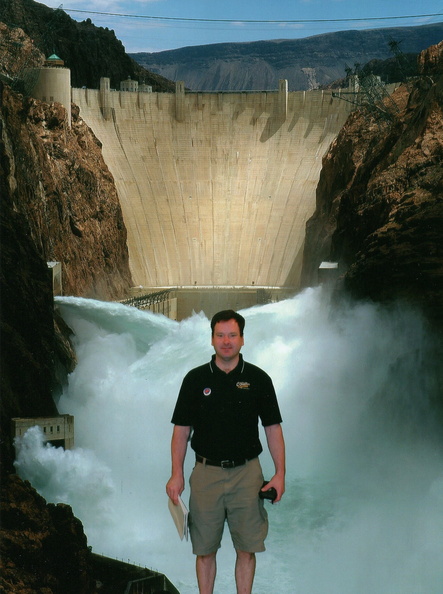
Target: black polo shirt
{"x":224,"y":409}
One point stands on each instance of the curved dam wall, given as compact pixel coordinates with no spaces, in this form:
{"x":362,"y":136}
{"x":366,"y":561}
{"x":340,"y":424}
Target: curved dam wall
{"x":215,"y":188}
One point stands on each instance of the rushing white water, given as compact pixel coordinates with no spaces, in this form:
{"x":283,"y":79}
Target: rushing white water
{"x":363,"y":511}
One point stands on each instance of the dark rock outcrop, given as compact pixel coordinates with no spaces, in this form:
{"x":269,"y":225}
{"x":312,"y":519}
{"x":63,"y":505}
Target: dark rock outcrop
{"x":55,"y":176}
{"x":380,"y":197}
{"x":44,"y":551}
{"x":27,"y":326}
{"x":19,"y":52}
{"x":43,"y":546}
{"x":59,"y":203}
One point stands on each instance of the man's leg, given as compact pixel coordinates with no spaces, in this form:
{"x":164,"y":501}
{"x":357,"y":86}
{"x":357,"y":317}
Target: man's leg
{"x":244,"y":572}
{"x":206,"y":566}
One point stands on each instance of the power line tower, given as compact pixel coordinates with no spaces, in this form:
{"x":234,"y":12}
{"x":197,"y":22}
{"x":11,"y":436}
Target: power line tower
{"x":367,"y":89}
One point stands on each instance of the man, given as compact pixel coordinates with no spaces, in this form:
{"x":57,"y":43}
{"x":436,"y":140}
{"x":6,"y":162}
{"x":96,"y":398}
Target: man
{"x":221,"y":402}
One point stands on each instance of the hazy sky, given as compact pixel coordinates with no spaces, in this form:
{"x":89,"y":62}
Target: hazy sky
{"x":138,"y":25}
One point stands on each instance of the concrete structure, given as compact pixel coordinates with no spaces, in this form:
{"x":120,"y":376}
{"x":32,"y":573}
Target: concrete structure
{"x":57,"y":284}
{"x":139,"y":580}
{"x":162,"y":302}
{"x":54,"y":61}
{"x":50,"y":83}
{"x":215,"y":188}
{"x":180,"y":302}
{"x":129,"y":85}
{"x":59,"y":431}
{"x":328,"y":272}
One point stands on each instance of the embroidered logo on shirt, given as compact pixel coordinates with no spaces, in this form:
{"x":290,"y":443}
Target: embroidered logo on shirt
{"x":207,"y":391}
{"x":243,"y":385}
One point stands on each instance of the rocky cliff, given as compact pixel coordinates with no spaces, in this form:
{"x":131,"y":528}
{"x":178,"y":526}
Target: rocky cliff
{"x":56,"y":177}
{"x":58,"y":203}
{"x":380,"y":197}
{"x":44,"y":548}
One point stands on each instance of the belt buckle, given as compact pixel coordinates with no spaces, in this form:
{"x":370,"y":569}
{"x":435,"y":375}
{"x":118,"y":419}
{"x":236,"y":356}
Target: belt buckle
{"x":227,"y":464}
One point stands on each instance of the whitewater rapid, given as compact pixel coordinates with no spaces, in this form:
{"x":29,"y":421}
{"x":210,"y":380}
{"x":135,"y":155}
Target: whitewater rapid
{"x":363,"y":511}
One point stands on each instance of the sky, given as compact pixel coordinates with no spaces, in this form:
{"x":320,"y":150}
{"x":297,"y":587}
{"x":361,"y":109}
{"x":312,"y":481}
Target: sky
{"x":158,"y":25}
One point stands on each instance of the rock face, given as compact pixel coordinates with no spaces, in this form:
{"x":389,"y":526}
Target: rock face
{"x":43,"y":547}
{"x":59,"y":203}
{"x":56,"y":177}
{"x":27,"y":326}
{"x":380,"y":197}
{"x":13,"y":61}
{"x":305,"y":63}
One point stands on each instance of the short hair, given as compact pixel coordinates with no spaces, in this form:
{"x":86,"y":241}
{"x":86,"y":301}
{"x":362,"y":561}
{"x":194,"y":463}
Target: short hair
{"x":225,"y":316}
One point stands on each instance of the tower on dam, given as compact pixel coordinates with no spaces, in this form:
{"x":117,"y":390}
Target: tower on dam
{"x":215,"y":188}
{"x":50,"y":83}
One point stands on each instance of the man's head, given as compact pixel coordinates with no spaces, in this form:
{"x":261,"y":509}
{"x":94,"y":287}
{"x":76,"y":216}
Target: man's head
{"x":225,"y":316}
{"x":227,"y":338}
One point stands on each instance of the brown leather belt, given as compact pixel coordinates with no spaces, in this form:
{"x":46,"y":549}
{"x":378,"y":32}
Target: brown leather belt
{"x":222,"y":463}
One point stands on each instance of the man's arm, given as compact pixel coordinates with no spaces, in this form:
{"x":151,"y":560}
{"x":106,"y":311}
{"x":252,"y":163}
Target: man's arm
{"x":276,"y":444}
{"x":179,"y":443}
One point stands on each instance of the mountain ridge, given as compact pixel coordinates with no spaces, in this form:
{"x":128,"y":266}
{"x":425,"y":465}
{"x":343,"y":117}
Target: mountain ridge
{"x":306,"y":63}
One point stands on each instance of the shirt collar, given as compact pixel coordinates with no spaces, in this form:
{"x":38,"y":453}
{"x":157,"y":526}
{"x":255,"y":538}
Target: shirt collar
{"x":238,"y":369}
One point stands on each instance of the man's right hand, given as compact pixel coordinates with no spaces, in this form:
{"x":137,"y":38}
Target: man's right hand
{"x":176,"y":484}
{"x":174,"y":488}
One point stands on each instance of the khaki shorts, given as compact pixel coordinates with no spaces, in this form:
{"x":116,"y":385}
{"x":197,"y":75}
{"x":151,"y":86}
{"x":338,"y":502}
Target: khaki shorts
{"x":231,"y":494}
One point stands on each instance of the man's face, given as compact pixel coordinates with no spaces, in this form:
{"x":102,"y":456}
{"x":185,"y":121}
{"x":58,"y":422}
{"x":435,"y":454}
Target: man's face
{"x":226,"y":340}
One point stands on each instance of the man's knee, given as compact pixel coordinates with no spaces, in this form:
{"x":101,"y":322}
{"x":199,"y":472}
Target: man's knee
{"x":206,"y":558}
{"x":245,"y":556}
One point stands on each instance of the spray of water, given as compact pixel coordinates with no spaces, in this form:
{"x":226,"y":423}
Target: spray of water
{"x":363,"y":510}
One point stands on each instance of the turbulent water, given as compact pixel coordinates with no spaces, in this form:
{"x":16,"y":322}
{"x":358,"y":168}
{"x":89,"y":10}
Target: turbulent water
{"x":363,"y":511}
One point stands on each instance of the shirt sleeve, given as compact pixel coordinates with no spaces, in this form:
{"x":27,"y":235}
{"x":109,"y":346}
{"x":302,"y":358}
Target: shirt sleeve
{"x":184,"y":413}
{"x":269,"y":410}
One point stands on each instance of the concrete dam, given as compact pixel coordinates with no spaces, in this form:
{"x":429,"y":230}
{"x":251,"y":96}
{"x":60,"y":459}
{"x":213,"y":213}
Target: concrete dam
{"x":215,"y":188}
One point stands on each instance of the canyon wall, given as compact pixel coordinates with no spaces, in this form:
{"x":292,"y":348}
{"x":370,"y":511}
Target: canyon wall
{"x":56,"y":177}
{"x":380,"y":197}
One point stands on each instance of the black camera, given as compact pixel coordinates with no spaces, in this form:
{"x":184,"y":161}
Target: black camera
{"x":270,"y":494}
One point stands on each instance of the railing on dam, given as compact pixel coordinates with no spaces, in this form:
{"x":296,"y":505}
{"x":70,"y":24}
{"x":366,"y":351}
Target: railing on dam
{"x":155,"y":584}
{"x":147,"y":301}
{"x":117,"y":577}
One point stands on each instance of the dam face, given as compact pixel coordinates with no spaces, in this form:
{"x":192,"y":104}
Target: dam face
{"x":215,"y":188}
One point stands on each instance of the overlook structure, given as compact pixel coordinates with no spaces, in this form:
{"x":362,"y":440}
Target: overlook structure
{"x":215,"y":188}
{"x":51,"y":83}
